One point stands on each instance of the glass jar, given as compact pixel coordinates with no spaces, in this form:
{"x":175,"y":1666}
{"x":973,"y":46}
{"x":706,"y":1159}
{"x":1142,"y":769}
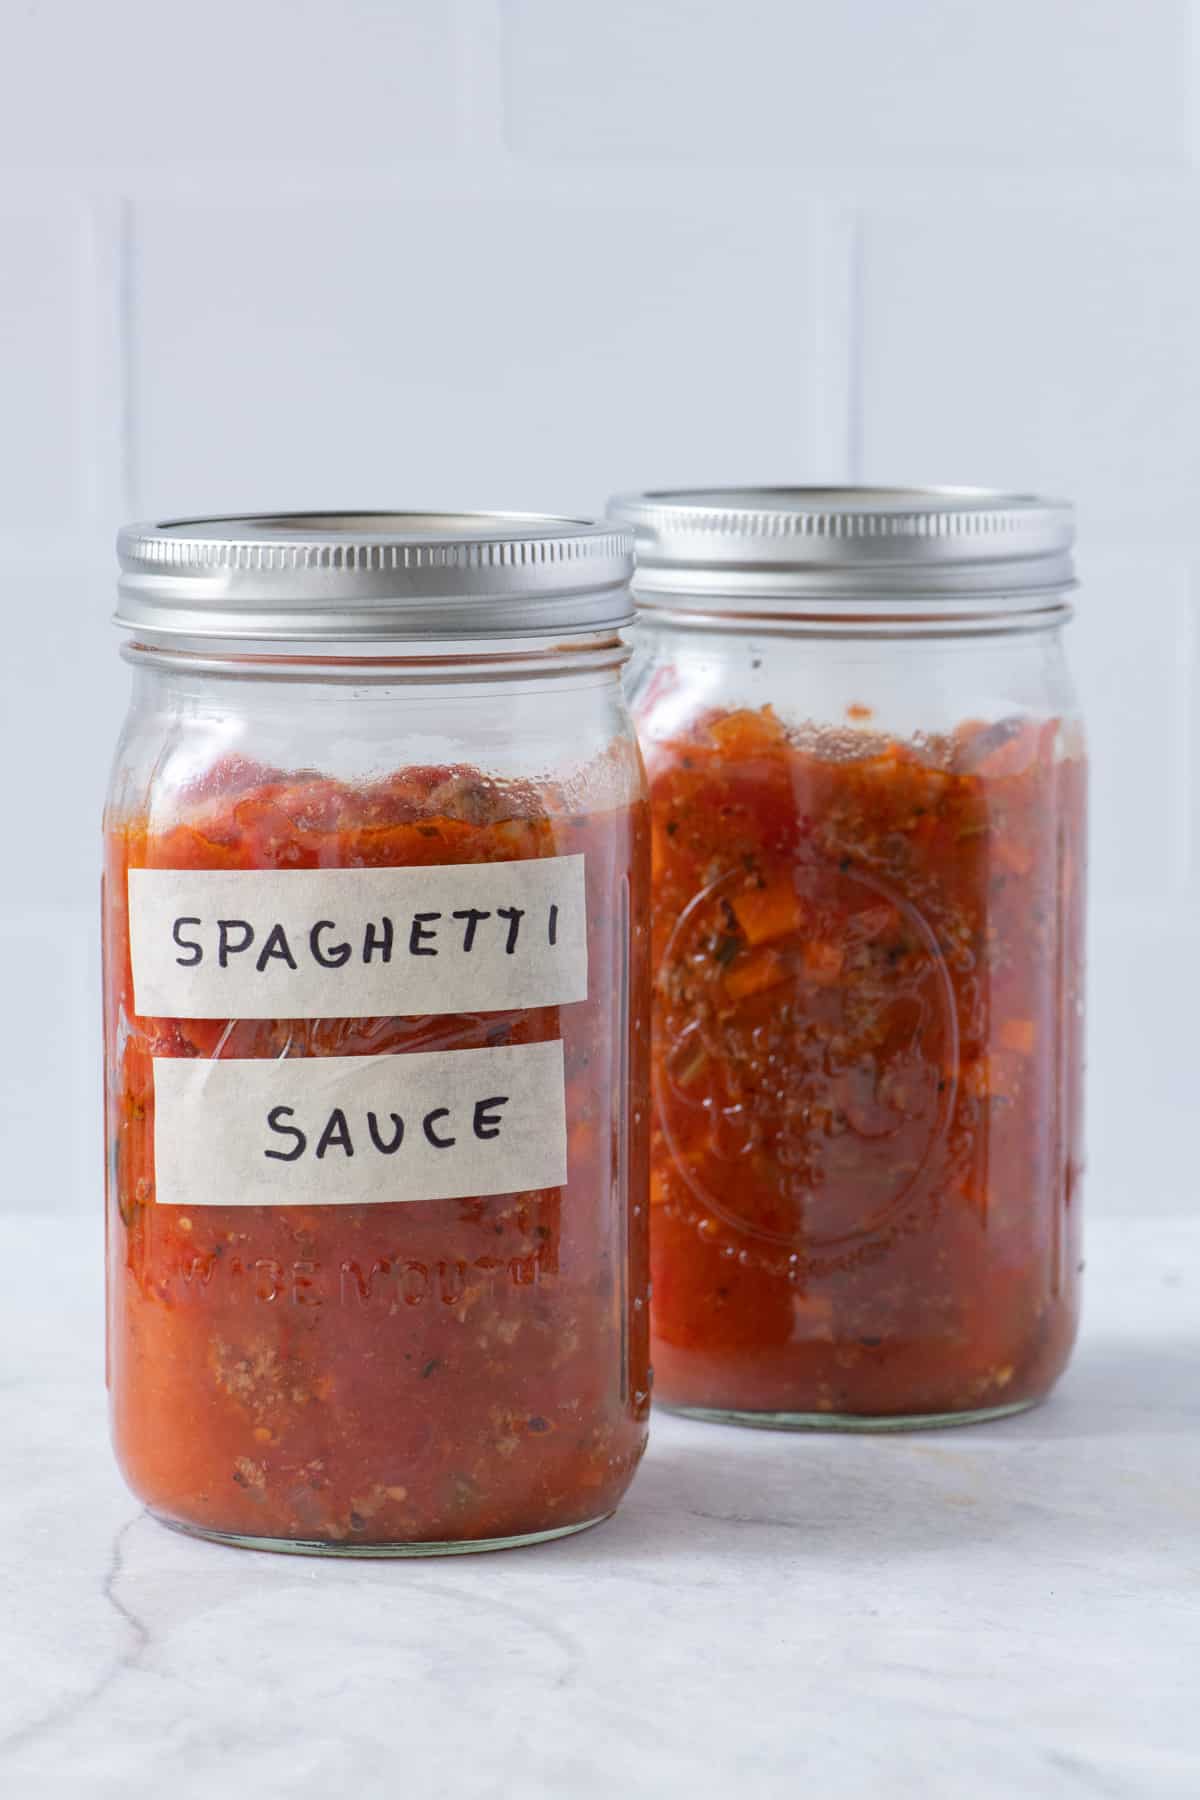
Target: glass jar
{"x":867,"y":787}
{"x":377,"y":1032}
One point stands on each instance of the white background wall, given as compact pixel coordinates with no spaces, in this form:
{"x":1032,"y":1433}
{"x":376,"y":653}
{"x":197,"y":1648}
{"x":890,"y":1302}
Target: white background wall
{"x":278,"y":253}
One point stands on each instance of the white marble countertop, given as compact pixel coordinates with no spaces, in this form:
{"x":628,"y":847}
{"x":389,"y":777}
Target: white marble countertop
{"x":1003,"y":1610}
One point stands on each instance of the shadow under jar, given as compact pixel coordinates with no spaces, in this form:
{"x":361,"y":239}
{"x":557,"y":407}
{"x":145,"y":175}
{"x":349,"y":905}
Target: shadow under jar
{"x":376,"y":1011}
{"x":868,"y":790}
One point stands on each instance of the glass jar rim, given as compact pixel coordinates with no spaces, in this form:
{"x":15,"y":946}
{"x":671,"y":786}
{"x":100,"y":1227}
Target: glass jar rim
{"x":445,"y":662}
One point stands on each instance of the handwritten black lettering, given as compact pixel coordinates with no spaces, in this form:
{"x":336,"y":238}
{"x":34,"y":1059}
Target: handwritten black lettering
{"x":473,"y":917}
{"x":380,"y":940}
{"x":274,"y":1123}
{"x":335,"y":1135}
{"x":336,"y":955}
{"x":487,"y":1124}
{"x":225,"y":946}
{"x":419,"y":933}
{"x":276,"y":945}
{"x":427,"y":1124}
{"x":397,"y":1133}
{"x":197,"y":951}
{"x":514,"y":915}
{"x":552,"y":927}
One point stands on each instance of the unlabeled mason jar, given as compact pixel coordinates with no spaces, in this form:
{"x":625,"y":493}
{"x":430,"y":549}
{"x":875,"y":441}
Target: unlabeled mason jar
{"x":377,"y":1032}
{"x":867,"y":791}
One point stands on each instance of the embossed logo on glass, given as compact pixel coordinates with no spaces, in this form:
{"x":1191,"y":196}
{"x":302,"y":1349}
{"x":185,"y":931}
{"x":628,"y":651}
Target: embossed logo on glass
{"x":808,"y":1052}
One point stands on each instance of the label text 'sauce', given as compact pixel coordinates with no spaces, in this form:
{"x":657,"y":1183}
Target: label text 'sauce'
{"x":381,"y":1134}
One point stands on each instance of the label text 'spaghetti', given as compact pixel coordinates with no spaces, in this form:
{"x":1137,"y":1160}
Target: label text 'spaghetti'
{"x":357,"y":943}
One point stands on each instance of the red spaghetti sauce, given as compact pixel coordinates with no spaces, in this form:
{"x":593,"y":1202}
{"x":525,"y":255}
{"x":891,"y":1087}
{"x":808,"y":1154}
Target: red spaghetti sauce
{"x":866,"y":1066}
{"x":426,"y":1372}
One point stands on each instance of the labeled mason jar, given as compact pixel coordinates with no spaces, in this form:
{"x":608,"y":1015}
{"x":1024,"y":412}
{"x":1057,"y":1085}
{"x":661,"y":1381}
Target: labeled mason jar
{"x":867,"y":786}
{"x":376,"y":1021}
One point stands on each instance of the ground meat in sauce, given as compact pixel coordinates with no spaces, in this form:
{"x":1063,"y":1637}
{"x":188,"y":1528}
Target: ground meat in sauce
{"x":867,"y":1052}
{"x":425,"y":1372}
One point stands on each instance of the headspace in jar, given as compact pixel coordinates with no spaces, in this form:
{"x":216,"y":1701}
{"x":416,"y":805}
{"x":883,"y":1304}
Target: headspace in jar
{"x":376,"y":1033}
{"x":867,"y":795}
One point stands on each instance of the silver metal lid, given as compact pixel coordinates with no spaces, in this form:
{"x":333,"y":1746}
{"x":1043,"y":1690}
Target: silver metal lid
{"x":370,"y":578}
{"x":716,"y":549}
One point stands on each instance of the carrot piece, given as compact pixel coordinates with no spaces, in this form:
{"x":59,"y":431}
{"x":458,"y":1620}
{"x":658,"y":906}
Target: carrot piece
{"x":755,"y":973}
{"x":1013,"y":854}
{"x":994,"y":1077}
{"x":1013,"y":755}
{"x":769,"y":912}
{"x":823,"y":962}
{"x":748,"y":732}
{"x":183,"y":848}
{"x":1018,"y":1034}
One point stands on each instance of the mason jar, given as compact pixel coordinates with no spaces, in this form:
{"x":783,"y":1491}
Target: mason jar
{"x":867,"y":786}
{"x":376,"y":1028}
